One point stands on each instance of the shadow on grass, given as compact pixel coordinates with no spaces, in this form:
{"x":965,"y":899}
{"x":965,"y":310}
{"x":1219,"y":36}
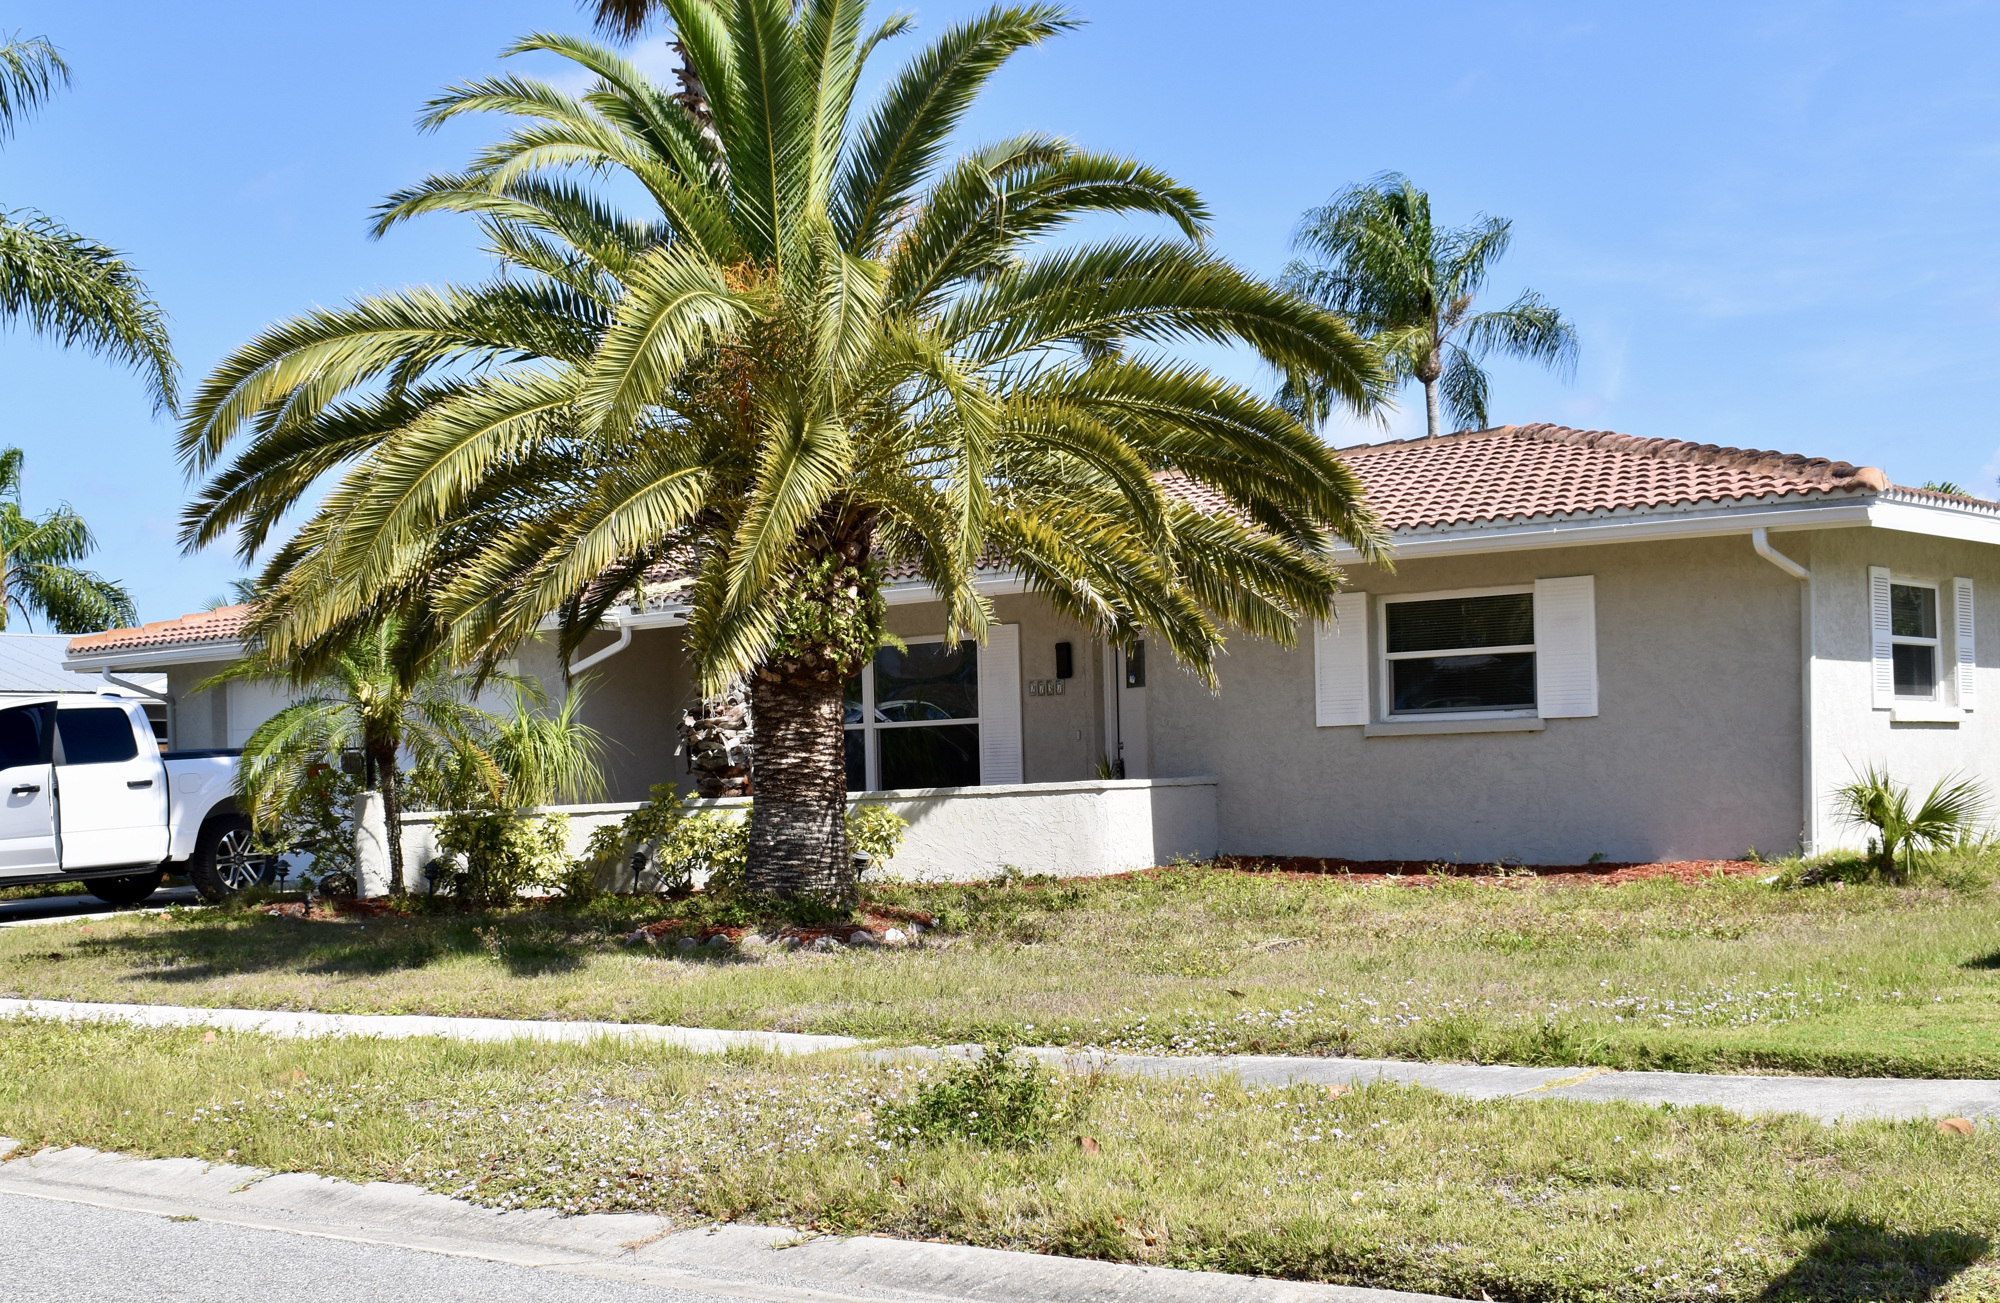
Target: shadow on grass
{"x":201,"y":951}
{"x":1856,"y":1259}
{"x":1986,"y":962}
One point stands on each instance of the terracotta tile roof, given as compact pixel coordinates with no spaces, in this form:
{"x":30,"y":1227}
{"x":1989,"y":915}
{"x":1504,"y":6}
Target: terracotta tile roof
{"x":223,"y":624}
{"x":1521,"y":471}
{"x":1511,"y":472}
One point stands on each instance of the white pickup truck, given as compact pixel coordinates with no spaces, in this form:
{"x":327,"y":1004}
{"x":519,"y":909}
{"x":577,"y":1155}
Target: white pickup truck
{"x":91,"y":798}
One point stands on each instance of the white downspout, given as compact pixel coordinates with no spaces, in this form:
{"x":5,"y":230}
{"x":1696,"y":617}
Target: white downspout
{"x":1761,"y":540}
{"x":165,"y":698}
{"x":606,"y":653}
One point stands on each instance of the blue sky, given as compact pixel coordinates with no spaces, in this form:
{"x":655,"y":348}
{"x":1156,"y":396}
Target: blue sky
{"x":1774,"y":224}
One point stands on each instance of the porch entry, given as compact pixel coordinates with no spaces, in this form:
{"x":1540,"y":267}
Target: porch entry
{"x":937,"y":714}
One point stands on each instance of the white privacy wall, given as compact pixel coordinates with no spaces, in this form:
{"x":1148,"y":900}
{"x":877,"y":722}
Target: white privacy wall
{"x":965,"y":834}
{"x":1850,"y":731}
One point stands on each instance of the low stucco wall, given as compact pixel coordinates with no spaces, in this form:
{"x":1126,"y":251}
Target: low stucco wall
{"x":965,"y":834}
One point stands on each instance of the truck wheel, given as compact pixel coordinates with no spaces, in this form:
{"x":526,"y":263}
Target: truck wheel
{"x":127,"y":890}
{"x":226,"y":860}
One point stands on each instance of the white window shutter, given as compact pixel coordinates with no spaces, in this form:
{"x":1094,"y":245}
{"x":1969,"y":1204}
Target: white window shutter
{"x":1000,"y":706}
{"x":1968,"y":663}
{"x":1566,"y":647}
{"x":1340,"y":664}
{"x":1883,"y":654}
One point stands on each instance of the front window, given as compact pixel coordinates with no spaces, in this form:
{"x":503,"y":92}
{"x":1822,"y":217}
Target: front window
{"x":1913,"y":630}
{"x":1460,"y":654}
{"x":913,"y":718}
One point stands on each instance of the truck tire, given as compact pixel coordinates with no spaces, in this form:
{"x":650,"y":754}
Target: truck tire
{"x":129,"y":889}
{"x":225,"y":860}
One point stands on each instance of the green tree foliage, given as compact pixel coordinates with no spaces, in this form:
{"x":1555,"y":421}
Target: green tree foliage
{"x":61,"y":284}
{"x":379,"y":703}
{"x":1951,"y":814}
{"x":1374,"y":256}
{"x":819,"y":344}
{"x":39,"y":574}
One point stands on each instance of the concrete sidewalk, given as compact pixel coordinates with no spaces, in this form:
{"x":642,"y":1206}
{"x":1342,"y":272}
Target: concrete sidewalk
{"x":727,"y":1262}
{"x":1829,"y":1099}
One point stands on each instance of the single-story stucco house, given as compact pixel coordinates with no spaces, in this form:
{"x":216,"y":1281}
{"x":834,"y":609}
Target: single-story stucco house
{"x":1590,"y":644}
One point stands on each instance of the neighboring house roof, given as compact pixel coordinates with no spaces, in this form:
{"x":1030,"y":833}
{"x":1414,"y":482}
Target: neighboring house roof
{"x":33,"y":662}
{"x":1532,"y":481}
{"x":223,"y":624}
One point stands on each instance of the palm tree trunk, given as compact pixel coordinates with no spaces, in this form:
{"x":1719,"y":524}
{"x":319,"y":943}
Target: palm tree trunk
{"x":1431,"y":406}
{"x":798,"y":828}
{"x":392,"y":814}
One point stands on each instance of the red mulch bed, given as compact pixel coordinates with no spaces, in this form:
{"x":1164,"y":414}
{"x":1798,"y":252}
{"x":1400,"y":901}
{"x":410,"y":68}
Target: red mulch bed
{"x":1424,"y":873}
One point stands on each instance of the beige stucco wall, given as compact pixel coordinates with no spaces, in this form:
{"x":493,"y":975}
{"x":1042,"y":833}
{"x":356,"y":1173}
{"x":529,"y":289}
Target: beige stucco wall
{"x":1695,"y":751}
{"x":1849,"y":732}
{"x":201,"y":719}
{"x":634,"y":699}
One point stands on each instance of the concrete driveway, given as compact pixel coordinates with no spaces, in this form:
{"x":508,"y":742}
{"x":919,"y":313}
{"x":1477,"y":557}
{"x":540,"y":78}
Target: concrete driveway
{"x":44,"y":909}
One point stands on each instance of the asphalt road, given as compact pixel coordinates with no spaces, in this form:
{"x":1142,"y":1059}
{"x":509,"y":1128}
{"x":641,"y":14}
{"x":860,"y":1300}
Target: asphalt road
{"x":48,"y":907}
{"x":74,"y":1253}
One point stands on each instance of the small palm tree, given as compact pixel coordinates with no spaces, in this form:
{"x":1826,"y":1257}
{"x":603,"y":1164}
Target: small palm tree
{"x":1949,"y":816}
{"x":379,"y":700}
{"x":38,"y":570}
{"x":59,"y":283}
{"x":1376,"y":258}
{"x":820,"y":344}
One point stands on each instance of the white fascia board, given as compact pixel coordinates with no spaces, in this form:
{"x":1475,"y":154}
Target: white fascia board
{"x":1937,"y":521}
{"x":1628,"y":527}
{"x":993,"y":583}
{"x":153,"y":659}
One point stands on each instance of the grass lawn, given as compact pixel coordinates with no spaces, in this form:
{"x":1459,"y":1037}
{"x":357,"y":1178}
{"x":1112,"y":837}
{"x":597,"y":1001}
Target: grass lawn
{"x":1382,"y":1186}
{"x":1731,"y":974}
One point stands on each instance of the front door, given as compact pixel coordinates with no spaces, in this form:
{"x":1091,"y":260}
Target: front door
{"x":27,"y":792}
{"x":114,"y":798}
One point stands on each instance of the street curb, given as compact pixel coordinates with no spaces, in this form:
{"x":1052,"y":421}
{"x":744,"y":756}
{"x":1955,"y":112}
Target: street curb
{"x":751,"y":1262}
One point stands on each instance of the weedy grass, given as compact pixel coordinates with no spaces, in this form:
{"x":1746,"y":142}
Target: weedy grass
{"x":1823,"y":970}
{"x":1385,"y":1186}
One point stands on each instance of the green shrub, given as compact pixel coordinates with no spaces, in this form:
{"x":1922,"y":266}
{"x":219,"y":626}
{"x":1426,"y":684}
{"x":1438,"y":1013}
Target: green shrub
{"x":500,"y":855}
{"x":992,"y":1100}
{"x":679,"y":845}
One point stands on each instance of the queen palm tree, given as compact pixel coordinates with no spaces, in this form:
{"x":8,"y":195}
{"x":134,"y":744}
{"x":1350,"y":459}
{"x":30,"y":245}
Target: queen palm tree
{"x":38,"y":570}
{"x":1377,"y":258}
{"x":57,"y":282}
{"x":820,"y":345}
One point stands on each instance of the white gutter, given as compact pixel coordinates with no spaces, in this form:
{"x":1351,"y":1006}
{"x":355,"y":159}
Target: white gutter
{"x":1761,"y":540}
{"x":165,"y":698}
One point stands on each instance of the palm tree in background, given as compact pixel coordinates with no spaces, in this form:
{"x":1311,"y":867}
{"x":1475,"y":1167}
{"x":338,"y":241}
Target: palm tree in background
{"x":39,"y":574}
{"x":821,"y":345}
{"x":60,"y":284}
{"x":1374,"y":256}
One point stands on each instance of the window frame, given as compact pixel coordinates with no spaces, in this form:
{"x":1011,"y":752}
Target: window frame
{"x":1384,"y":658}
{"x":1936,"y":695}
{"x":869,"y":727}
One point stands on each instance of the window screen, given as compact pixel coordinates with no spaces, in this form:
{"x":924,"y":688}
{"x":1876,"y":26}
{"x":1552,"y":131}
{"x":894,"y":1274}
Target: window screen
{"x":1913,"y":628}
{"x":96,"y":736}
{"x":24,"y":736}
{"x":1461,"y":653}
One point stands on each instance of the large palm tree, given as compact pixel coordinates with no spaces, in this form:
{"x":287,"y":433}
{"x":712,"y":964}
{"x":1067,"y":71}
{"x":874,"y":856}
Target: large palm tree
{"x":820,"y":345}
{"x":57,"y":282}
{"x":1375,"y":257}
{"x":39,"y":574}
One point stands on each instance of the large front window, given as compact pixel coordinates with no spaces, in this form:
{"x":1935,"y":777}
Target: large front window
{"x":1460,"y":653}
{"x":913,"y":718}
{"x":1913,"y":629}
